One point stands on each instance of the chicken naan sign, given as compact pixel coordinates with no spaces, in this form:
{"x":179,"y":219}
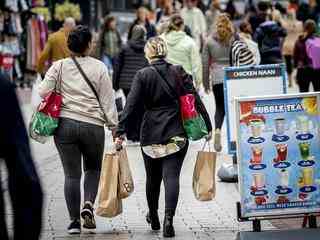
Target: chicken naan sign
{"x":246,"y":82}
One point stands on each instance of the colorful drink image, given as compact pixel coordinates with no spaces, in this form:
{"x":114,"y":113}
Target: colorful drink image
{"x":303,"y":124}
{"x":256,"y":126}
{"x":282,"y":152}
{"x":258,"y":181}
{"x":284,"y":178}
{"x":307,"y":176}
{"x":256,"y":155}
{"x":304,"y":150}
{"x":280,"y":125}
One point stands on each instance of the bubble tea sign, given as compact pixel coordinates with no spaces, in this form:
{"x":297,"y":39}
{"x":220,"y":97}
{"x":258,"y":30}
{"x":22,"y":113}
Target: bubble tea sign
{"x":278,"y":154}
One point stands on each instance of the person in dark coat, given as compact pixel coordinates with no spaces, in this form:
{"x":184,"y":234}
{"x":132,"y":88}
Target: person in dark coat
{"x":130,"y":60}
{"x":163,"y":140}
{"x":24,"y":184}
{"x":142,"y":19}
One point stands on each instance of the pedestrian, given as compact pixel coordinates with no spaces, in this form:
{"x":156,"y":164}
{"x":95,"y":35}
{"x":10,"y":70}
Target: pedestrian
{"x":231,"y":10}
{"x":24,"y":184}
{"x":56,"y":48}
{"x":130,"y":60}
{"x":195,"y":20}
{"x":216,"y":56}
{"x":260,"y":16}
{"x":306,"y":74}
{"x":182,"y":49}
{"x":212,"y":14}
{"x":164,"y":143}
{"x":142,"y":19}
{"x":164,"y":19}
{"x":109,"y":42}
{"x":245,"y":35}
{"x":80,"y":134}
{"x":269,"y":36}
{"x":294,"y":29}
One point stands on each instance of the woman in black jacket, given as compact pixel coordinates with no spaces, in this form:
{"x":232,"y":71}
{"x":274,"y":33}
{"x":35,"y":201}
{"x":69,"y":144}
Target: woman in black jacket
{"x":162,"y":136}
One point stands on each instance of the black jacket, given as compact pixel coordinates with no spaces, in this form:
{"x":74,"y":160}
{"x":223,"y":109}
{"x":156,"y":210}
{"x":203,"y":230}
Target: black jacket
{"x":151,"y":29}
{"x":130,"y":60}
{"x":24,"y":185}
{"x":162,"y":117}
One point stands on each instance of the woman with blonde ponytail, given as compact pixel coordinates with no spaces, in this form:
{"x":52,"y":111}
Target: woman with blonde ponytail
{"x":215,"y":57}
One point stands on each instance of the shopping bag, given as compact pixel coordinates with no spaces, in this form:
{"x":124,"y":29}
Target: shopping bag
{"x":35,"y":97}
{"x":120,"y":100}
{"x":204,"y":175}
{"x":109,"y":203}
{"x":193,"y":123}
{"x":126,"y":185}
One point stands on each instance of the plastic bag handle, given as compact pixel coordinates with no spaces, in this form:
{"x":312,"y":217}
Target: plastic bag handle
{"x":206,"y":142}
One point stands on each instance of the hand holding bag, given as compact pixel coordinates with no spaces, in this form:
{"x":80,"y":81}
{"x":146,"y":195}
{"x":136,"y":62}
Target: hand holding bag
{"x":204,"y":175}
{"x":126,"y":185}
{"x":45,"y":120}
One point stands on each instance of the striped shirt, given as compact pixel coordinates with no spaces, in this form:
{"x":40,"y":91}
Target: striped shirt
{"x":241,"y":55}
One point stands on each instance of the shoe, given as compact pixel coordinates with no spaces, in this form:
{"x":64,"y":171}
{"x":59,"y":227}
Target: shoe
{"x":168,"y":229}
{"x":88,"y":216}
{"x":153,"y":219}
{"x":74,"y":227}
{"x":217,"y":140}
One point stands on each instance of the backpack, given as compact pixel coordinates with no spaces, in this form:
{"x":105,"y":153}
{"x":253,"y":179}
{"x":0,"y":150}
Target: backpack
{"x":313,"y":51}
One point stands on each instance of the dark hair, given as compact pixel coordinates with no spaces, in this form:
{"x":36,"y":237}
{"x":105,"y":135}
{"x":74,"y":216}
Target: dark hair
{"x":108,"y":20}
{"x":310,"y":27}
{"x":176,"y":22}
{"x":263,"y":6}
{"x":79,"y":39}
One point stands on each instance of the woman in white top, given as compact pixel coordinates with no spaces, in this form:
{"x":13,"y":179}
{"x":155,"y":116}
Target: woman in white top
{"x":80,"y":134}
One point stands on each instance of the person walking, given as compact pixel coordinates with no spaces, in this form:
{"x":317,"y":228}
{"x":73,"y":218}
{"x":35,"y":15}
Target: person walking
{"x":24,"y":183}
{"x":269,"y":36}
{"x":294,"y":29}
{"x":86,"y":107}
{"x":142,"y":19}
{"x":182,"y":49}
{"x":163,"y":140}
{"x":306,"y":74}
{"x":56,"y":47}
{"x":195,"y":20}
{"x":110,"y":42}
{"x":216,"y":56}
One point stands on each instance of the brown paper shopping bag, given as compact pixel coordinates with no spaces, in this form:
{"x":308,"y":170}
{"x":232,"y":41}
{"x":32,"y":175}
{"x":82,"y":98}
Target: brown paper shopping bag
{"x":126,"y":185}
{"x":109,"y":202}
{"x":204,"y":175}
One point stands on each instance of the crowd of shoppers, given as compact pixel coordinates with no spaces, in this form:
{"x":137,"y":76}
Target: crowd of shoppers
{"x":188,"y":45}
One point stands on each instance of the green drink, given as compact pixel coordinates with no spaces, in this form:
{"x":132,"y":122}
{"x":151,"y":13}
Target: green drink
{"x":304,"y":150}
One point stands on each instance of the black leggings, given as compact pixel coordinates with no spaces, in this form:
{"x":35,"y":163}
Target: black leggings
{"x":75,"y":141}
{"x":167,"y":169}
{"x":306,"y":76}
{"x":220,"y":111}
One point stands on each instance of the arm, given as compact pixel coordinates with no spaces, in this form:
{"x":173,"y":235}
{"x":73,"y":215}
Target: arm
{"x":196,"y":65}
{"x":117,"y":68}
{"x":45,"y":56}
{"x":206,"y":67}
{"x":24,"y":184}
{"x":50,"y":79}
{"x":133,"y":101}
{"x":107,"y":99}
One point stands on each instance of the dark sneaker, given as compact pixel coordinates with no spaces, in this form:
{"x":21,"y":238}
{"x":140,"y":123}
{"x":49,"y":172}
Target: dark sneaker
{"x":74,"y":227}
{"x":88,"y":216}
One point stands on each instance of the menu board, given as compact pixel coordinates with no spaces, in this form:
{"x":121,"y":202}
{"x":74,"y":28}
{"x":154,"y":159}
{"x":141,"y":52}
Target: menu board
{"x":278,"y":154}
{"x":250,"y":81}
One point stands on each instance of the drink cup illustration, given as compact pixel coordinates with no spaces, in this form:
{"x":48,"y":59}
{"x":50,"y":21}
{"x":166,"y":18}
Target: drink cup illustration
{"x":258,"y":181}
{"x":256,"y":126}
{"x":304,"y":150}
{"x":280,"y":125}
{"x":304,"y":125}
{"x":256,"y":155}
{"x":307,"y":176}
{"x":284,"y":178}
{"x":282,"y":151}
